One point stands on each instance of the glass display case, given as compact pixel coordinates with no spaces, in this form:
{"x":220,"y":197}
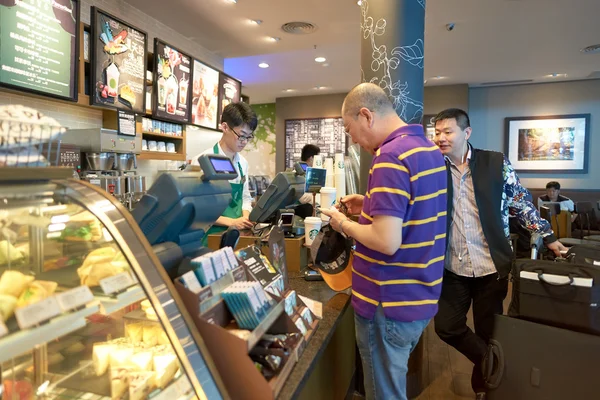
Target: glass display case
{"x":86,"y":309}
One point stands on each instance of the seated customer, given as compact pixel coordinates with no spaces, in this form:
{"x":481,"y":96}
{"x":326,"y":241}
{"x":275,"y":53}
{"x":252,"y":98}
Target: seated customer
{"x":553,"y":194}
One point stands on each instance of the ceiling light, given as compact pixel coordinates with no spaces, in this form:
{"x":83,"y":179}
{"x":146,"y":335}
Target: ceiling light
{"x":320,"y":59}
{"x":288,"y":90}
{"x":359,"y":2}
{"x":320,"y":87}
{"x":438,"y":77}
{"x":263,"y":65}
{"x":555,"y":75}
{"x":326,"y":64}
{"x":274,"y":39}
{"x":256,"y":21}
{"x":232,"y":1}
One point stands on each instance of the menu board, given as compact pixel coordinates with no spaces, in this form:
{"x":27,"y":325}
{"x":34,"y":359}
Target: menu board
{"x":118,"y":63}
{"x":205,"y":96}
{"x":172,"y":72}
{"x":230,"y":90}
{"x":39,"y":46}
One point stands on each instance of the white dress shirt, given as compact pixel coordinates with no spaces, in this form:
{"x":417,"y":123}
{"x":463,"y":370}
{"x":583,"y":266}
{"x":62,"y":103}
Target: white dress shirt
{"x":238,"y":161}
{"x":565,"y":205}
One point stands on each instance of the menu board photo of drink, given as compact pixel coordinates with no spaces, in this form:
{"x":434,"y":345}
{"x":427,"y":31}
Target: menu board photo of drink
{"x":172,"y":73}
{"x":118,"y":63}
{"x":39,"y":46}
{"x":230,"y":91}
{"x":205,"y":96}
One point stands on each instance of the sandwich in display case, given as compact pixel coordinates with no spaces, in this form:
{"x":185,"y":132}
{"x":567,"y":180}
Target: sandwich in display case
{"x":86,"y":308}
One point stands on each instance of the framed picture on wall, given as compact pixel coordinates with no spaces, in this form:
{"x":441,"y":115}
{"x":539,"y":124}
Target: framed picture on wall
{"x":548,"y":144}
{"x":429,"y":126}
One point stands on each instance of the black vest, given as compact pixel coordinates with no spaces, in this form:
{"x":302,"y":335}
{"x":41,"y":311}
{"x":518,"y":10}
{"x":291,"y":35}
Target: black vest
{"x":486,"y":171}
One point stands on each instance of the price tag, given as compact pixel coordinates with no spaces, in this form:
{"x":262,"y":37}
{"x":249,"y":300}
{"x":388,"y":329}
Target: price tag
{"x":74,"y":298}
{"x":38,"y":312}
{"x":191,"y":282}
{"x":116,"y":283}
{"x":3,"y":329}
{"x":95,"y":182}
{"x":205,"y":294}
{"x":239,"y":274}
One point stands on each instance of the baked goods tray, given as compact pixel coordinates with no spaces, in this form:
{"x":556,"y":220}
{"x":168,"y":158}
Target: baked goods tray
{"x":67,"y":278}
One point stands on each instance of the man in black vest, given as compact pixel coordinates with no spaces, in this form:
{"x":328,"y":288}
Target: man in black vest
{"x":483,"y":189}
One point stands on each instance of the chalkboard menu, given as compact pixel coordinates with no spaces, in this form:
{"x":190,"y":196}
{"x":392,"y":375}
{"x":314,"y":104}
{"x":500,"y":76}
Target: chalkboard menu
{"x":326,"y":133}
{"x":230,"y":90}
{"x":118,"y":63}
{"x":39,"y":46}
{"x":172,"y":74}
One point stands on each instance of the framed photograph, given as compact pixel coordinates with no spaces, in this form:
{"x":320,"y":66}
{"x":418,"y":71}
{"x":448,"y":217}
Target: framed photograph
{"x":548,"y":144}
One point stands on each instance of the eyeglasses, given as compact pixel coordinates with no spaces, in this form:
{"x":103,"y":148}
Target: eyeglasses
{"x":242,"y":138}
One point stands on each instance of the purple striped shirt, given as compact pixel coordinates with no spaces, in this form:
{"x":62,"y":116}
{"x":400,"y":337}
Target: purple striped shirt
{"x":408,"y":180}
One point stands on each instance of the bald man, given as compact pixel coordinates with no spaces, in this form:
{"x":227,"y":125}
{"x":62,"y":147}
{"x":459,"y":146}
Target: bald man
{"x":400,"y":238}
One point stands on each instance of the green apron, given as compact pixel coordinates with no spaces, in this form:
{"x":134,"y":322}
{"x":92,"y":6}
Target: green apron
{"x":234,"y":210}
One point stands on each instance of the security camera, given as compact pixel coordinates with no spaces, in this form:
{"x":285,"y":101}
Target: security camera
{"x":450,"y":27}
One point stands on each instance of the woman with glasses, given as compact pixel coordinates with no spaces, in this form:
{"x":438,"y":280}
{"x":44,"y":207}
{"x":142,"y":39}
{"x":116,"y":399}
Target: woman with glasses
{"x":238,"y":123}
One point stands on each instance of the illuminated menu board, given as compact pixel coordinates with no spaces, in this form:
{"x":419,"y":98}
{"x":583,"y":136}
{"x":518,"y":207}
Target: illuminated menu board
{"x":172,"y":78}
{"x":39,"y":46}
{"x":118,"y":63}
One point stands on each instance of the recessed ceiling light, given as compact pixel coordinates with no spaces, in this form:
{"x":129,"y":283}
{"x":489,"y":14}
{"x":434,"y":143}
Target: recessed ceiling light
{"x":288,"y":90}
{"x":231,"y":1}
{"x":438,"y":77}
{"x":263,"y":65}
{"x":320,"y":59}
{"x":359,"y":2}
{"x":326,"y":64}
{"x":256,"y":21}
{"x":320,"y":87}
{"x":555,"y":75}
{"x":274,"y":39}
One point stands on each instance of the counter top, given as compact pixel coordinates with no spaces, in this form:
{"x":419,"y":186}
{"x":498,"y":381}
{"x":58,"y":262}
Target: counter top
{"x":334,"y":306}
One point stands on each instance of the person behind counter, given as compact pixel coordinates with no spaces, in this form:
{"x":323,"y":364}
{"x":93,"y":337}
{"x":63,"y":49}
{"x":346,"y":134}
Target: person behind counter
{"x":238,"y":123}
{"x":400,"y":238}
{"x":308,"y":154}
{"x":553,"y":195}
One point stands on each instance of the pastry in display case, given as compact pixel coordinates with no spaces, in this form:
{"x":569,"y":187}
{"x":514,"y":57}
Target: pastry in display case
{"x":85,"y":310}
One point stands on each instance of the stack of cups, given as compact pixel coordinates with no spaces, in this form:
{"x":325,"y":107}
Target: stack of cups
{"x":328,"y":200}
{"x":340,"y":175}
{"x":312,"y":226}
{"x":318,"y":161}
{"x":329,"y":180}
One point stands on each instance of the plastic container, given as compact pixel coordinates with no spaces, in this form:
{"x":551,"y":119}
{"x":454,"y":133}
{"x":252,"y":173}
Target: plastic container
{"x":312,"y":226}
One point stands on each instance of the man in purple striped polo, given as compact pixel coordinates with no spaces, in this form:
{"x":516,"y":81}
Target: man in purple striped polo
{"x":400,"y":238}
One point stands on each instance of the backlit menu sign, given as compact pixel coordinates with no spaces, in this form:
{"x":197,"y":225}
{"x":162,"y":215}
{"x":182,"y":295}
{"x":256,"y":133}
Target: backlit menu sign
{"x":39,"y":46}
{"x":172,"y":74}
{"x":118,"y":63}
{"x":205,"y":96}
{"x":230,"y":91}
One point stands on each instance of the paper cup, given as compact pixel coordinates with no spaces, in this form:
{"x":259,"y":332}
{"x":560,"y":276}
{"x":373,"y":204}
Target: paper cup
{"x":318,"y":161}
{"x":339,"y":165}
{"x":312,"y":226}
{"x":340,"y":184}
{"x":328,"y":199}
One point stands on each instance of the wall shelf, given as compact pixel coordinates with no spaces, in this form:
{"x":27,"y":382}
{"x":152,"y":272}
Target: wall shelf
{"x":156,"y":155}
{"x":162,"y":136}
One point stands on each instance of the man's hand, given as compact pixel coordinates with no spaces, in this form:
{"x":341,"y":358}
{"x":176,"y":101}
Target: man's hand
{"x":336,"y":218}
{"x":556,"y":248}
{"x":240,"y":223}
{"x":354,"y":203}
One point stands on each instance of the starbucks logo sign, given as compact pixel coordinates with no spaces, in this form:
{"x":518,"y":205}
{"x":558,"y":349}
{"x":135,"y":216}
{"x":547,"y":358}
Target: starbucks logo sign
{"x":313,"y":234}
{"x":340,"y":165}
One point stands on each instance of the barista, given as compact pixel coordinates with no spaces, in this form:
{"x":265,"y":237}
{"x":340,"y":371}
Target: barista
{"x":238,"y":123}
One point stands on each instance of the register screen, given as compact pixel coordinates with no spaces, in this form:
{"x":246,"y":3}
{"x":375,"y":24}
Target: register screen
{"x":222,"y":166}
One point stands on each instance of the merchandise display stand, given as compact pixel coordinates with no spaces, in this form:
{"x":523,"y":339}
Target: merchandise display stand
{"x":229,"y":351}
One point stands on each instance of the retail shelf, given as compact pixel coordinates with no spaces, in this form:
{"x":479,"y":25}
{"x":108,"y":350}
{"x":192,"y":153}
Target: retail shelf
{"x":155,"y":155}
{"x":265,"y":325}
{"x":126,"y":298}
{"x":162,"y":135}
{"x":24,"y":340}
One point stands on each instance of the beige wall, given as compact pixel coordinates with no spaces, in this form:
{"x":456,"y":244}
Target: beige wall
{"x":77,"y":117}
{"x":489,"y":106}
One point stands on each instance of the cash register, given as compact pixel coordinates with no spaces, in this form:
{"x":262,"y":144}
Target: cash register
{"x":181,"y":206}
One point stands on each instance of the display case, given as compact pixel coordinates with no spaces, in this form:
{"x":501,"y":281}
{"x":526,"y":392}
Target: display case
{"x":86,"y":309}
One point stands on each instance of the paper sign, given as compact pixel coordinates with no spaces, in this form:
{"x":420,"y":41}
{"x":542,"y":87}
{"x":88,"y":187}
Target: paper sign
{"x":205,"y":294}
{"x":239,"y":274}
{"x":74,"y":298}
{"x":126,"y":123}
{"x":95,"y":182}
{"x":315,"y":306}
{"x":191,"y":282}
{"x":3,"y":329}
{"x":116,"y":283}
{"x":38,"y":312}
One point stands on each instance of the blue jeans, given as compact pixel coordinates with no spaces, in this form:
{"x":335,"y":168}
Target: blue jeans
{"x":385,"y":345}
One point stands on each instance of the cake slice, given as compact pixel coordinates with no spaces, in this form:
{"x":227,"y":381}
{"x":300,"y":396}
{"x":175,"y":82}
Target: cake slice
{"x":165,"y":366}
{"x":119,"y":381}
{"x":140,"y":385}
{"x":101,"y":357}
{"x":142,"y":361}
